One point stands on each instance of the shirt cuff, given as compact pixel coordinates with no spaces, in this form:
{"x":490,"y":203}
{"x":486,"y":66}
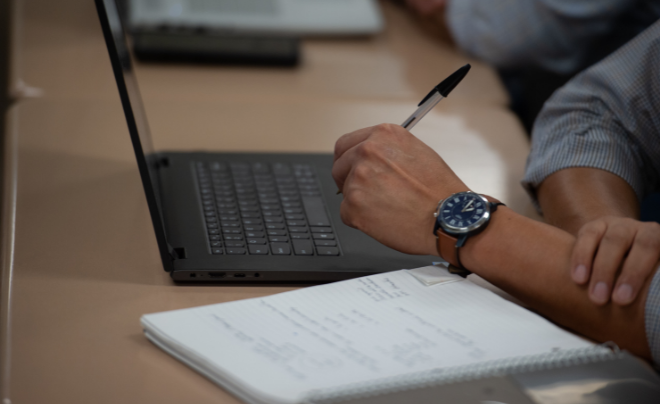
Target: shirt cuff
{"x":652,"y":317}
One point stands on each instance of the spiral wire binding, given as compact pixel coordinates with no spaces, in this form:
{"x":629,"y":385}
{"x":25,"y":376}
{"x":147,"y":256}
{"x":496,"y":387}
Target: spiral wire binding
{"x":437,"y":377}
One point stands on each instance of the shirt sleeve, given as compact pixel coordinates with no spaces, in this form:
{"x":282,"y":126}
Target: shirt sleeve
{"x":552,"y":34}
{"x":652,"y":317}
{"x":608,"y":117}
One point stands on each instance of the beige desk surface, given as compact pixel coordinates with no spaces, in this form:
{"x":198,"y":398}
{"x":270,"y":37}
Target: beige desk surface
{"x":80,"y":262}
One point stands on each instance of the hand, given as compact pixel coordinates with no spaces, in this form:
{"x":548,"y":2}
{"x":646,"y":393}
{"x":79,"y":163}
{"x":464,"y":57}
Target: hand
{"x":609,"y":244}
{"x":427,"y":7}
{"x":392,"y":183}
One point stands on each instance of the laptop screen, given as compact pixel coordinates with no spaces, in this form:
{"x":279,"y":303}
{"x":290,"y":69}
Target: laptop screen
{"x":147,"y":160}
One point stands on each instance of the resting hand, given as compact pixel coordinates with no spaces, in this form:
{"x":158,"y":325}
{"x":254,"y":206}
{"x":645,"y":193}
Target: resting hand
{"x":427,"y":7}
{"x":609,"y":244}
{"x":392,"y":183}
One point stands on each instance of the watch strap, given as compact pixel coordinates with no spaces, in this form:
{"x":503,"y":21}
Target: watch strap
{"x":448,"y":245}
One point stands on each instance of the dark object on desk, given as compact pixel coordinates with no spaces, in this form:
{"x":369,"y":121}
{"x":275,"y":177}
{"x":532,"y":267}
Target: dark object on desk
{"x":208,"y":47}
{"x":232,"y":217}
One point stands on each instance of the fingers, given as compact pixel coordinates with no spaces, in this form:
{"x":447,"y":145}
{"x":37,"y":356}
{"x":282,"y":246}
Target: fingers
{"x":642,"y":261}
{"x":362,"y":145}
{"x":584,"y":251}
{"x":350,"y":140}
{"x":611,"y":252}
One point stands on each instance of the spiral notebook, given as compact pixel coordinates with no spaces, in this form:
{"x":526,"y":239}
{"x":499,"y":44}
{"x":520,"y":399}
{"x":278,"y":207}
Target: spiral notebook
{"x":388,"y":332}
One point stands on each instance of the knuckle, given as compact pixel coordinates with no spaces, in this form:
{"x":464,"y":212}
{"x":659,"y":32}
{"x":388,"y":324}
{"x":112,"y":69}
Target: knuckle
{"x":617,"y":235}
{"x":592,"y":229}
{"x":361,"y":172}
{"x":368,"y":149}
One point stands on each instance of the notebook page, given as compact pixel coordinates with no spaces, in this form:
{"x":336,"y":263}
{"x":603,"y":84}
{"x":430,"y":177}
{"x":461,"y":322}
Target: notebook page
{"x":283,"y":346}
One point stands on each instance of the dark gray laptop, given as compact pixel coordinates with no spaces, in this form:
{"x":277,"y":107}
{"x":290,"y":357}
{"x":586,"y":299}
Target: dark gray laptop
{"x":232,"y":217}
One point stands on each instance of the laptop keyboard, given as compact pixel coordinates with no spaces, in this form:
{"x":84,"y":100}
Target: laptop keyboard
{"x":264,"y":209}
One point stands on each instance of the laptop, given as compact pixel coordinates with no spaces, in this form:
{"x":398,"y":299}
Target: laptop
{"x":243,"y":217}
{"x":297,"y":17}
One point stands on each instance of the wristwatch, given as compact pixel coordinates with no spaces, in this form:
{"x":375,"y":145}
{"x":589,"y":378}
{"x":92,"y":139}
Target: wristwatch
{"x":457,"y":218}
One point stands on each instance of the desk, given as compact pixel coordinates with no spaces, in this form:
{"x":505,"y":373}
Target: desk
{"x":80,"y":263}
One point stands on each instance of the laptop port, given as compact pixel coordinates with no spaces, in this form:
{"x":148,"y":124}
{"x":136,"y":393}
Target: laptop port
{"x":256,"y":274}
{"x":217,"y":274}
{"x":239,"y":275}
{"x":193,"y":275}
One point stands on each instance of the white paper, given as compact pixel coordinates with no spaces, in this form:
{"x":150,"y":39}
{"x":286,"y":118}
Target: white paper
{"x":280,"y":347}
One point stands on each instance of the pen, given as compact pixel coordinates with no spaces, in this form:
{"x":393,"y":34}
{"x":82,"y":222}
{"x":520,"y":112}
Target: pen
{"x":439,"y":92}
{"x":432,"y":99}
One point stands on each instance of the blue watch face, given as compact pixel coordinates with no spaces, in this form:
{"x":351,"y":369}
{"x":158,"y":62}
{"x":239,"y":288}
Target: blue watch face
{"x":463,"y":211}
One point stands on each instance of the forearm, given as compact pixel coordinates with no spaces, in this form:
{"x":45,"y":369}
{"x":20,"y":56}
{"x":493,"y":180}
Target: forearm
{"x":530,"y":260}
{"x":573,"y":197}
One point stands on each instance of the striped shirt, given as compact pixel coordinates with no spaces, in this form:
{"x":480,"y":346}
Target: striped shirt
{"x":561,"y":36}
{"x":608,"y":117}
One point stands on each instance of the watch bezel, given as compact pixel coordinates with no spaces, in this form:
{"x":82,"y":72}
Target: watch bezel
{"x":456,"y":230}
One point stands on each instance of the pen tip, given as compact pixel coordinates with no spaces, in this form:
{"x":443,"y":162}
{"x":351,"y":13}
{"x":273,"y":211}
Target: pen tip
{"x":452,"y":81}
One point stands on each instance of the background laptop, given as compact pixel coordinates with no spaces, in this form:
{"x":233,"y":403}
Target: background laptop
{"x":300,"y":17}
{"x":229,"y":217}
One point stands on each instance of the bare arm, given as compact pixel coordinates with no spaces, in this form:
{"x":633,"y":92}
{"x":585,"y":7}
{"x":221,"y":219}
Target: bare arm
{"x":392,"y":182}
{"x":572,"y":197}
{"x":530,"y":260}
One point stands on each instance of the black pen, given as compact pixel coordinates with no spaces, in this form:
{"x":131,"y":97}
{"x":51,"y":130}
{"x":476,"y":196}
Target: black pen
{"x":432,"y":99}
{"x":439,"y":92}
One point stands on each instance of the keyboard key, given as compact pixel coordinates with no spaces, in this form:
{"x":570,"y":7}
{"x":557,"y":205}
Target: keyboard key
{"x":286,"y":199}
{"x":250,"y":214}
{"x":274,"y":226}
{"x":280,"y":249}
{"x":274,"y":219}
{"x":268,"y":200}
{"x":252,"y":222}
{"x":272,"y":213}
{"x":229,"y":224}
{"x":226,"y":206}
{"x":276,"y":233}
{"x":293,"y":210}
{"x":228,"y":212}
{"x":310,"y":193}
{"x":253,"y":228}
{"x":303,"y":247}
{"x":315,"y":210}
{"x":258,"y":249}
{"x":298,"y":229}
{"x":327,"y":250}
{"x":234,"y":244}
{"x":217,"y":251}
{"x":216,"y":244}
{"x":321,"y":230}
{"x":234,"y":238}
{"x":294,"y":217}
{"x":325,"y":243}
{"x":245,"y":209}
{"x":296,"y":223}
{"x":213,"y":231}
{"x":215,"y":238}
{"x":300,"y":236}
{"x":211,"y":219}
{"x":323,"y":236}
{"x":256,"y":241}
{"x":212,"y":225}
{"x":231,"y":231}
{"x":270,"y":207}
{"x":291,"y":205}
{"x":254,"y":234}
{"x":281,"y":169}
{"x":235,"y":251}
{"x":247,"y":203}
{"x":279,"y":239}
